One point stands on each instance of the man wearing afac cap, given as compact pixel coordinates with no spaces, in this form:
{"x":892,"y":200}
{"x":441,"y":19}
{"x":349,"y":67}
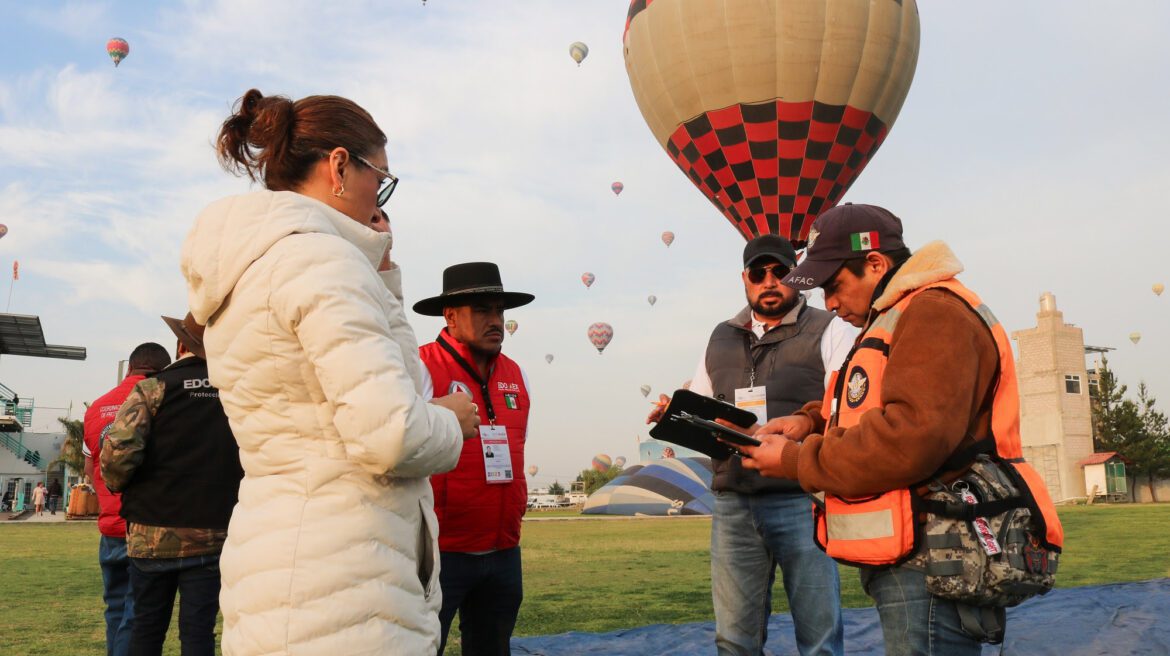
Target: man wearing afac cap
{"x":771,"y":358}
{"x":929,"y":385}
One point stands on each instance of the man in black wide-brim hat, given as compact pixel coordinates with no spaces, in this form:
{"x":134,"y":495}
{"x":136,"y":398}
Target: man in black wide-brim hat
{"x":479,"y":503}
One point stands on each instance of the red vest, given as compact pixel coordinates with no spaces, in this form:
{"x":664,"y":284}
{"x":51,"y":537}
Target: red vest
{"x":98,"y":418}
{"x":474,"y":515}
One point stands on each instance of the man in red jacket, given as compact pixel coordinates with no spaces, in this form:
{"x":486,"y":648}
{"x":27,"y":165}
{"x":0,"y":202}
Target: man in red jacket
{"x":145,"y":360}
{"x":479,"y":503}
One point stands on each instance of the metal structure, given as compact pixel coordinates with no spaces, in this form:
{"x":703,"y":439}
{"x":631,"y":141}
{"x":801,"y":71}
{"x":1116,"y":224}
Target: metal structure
{"x":21,"y":334}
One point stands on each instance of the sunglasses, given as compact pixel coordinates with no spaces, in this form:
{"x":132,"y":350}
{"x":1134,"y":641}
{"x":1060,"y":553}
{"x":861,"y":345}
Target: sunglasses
{"x":386,"y":186}
{"x":757,"y":274}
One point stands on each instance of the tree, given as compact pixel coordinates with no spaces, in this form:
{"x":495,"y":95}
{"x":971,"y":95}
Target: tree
{"x":594,"y":479}
{"x":1136,"y":431}
{"x":1148,"y":450}
{"x":1115,"y":417}
{"x":556,"y":488}
{"x":71,"y":455}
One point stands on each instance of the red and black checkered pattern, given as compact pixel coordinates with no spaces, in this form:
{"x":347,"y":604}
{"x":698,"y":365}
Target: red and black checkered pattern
{"x":773,"y":167}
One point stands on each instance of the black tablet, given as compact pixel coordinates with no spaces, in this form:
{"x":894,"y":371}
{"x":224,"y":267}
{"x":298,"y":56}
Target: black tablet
{"x":698,"y":436}
{"x":718,"y":431}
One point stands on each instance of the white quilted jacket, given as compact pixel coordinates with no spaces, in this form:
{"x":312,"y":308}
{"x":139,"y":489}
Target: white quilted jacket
{"x":331,"y":548}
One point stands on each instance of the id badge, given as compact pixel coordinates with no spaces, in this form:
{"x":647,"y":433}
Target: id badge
{"x":497,"y":460}
{"x":755,"y":401}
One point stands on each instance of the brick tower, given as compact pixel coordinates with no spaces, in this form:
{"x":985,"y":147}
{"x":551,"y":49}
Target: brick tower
{"x":1055,"y":415}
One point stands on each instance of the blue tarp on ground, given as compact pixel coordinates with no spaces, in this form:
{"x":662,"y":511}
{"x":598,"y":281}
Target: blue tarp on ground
{"x":1113,"y":620}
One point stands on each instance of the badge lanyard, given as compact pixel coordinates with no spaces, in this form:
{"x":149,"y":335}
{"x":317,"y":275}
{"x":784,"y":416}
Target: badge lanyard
{"x":752,"y":360}
{"x":483,"y":386}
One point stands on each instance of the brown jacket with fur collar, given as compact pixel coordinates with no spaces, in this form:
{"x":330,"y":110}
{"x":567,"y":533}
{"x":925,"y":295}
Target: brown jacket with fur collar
{"x":936,"y":393}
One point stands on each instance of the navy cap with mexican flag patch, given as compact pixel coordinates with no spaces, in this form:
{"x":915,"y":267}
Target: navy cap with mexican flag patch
{"x":843,"y":233}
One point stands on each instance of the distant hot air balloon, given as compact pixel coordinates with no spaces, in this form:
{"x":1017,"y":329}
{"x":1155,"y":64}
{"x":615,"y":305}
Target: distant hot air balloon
{"x":668,"y":238}
{"x":600,"y":335}
{"x":532,"y":469}
{"x":652,"y":299}
{"x":117,"y":48}
{"x":1158,"y":287}
{"x":1135,"y":337}
{"x":645,"y":390}
{"x":3,"y":230}
{"x":771,"y":108}
{"x":619,"y":461}
{"x":548,"y":357}
{"x":588,"y":279}
{"x":510,"y":325}
{"x":578,"y":51}
{"x":602,"y":462}
{"x":617,"y":188}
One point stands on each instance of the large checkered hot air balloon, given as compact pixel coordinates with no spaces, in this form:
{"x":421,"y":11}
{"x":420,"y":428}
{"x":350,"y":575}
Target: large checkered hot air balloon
{"x":771,"y":107}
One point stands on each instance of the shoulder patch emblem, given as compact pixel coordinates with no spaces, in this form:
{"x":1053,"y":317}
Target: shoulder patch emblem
{"x":858,"y":387}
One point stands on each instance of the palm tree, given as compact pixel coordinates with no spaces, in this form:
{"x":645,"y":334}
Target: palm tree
{"x":72,"y":454}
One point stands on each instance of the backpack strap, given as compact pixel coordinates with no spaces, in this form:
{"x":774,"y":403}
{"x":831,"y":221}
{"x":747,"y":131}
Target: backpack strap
{"x":983,"y":623}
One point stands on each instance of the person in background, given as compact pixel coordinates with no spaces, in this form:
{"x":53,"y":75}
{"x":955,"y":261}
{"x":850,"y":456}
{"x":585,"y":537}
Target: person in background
{"x":480,"y":503}
{"x":145,"y":360}
{"x":773,"y":356}
{"x":38,"y":498}
{"x":171,"y":454}
{"x":332,"y":547}
{"x":54,"y":495}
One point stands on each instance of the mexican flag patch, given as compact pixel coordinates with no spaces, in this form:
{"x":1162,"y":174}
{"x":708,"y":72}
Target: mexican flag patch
{"x":864,"y":241}
{"x":510,"y":400}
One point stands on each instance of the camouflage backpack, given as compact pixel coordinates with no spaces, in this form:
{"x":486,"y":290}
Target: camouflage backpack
{"x":980,"y":540}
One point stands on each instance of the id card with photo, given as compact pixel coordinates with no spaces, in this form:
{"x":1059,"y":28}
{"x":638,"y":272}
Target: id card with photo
{"x":755,"y":401}
{"x":497,"y":460}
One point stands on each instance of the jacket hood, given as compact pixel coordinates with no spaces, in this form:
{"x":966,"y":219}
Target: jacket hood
{"x":232,"y":233}
{"x":931,"y":263}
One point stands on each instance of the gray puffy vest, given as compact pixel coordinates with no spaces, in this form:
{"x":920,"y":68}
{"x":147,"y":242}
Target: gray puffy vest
{"x":787,"y":360}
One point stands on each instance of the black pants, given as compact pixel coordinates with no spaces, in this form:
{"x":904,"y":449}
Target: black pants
{"x":155,"y":582}
{"x":487,"y":591}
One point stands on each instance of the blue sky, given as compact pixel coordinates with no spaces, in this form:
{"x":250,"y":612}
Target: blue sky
{"x":1033,"y":141}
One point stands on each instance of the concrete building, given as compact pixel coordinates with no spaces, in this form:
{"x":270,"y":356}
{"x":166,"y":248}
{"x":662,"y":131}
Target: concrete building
{"x":24,"y":460}
{"x":1055,"y":414}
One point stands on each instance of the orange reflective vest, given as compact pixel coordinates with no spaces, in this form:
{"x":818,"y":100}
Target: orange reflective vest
{"x":885,"y":529}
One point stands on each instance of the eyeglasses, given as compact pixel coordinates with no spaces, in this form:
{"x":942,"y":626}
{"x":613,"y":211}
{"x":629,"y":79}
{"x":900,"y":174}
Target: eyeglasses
{"x":388,"y":184}
{"x":757,"y":274}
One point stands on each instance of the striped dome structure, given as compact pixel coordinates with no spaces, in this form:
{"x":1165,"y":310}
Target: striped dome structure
{"x":670,"y":486}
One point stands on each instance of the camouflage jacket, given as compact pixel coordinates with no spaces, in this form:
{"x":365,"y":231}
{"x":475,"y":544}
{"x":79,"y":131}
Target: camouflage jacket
{"x":122,"y":452}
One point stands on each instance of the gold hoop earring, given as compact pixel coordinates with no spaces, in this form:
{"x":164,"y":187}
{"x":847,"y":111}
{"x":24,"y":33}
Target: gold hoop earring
{"x":339,"y":192}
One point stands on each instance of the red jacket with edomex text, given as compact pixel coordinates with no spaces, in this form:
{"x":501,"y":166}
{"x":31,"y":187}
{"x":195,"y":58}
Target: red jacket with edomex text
{"x":474,"y":515}
{"x":98,"y":418}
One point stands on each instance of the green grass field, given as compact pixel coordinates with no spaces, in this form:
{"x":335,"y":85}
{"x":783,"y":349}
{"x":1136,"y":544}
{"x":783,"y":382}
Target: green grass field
{"x":584,"y":575}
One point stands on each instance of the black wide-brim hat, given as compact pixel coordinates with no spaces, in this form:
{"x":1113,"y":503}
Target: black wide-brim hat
{"x":470,"y":282}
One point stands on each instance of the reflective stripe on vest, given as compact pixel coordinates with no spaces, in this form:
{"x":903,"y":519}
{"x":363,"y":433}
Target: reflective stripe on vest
{"x":881,"y":530}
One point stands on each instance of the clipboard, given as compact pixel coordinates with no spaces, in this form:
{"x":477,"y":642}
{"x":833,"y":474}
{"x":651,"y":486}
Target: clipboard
{"x":689,"y":421}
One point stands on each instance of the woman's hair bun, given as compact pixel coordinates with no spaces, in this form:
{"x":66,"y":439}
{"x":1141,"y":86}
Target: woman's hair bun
{"x":274,"y":140}
{"x":259,"y":130}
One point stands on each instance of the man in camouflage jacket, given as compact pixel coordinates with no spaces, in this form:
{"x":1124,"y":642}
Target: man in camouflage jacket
{"x":171,"y":454}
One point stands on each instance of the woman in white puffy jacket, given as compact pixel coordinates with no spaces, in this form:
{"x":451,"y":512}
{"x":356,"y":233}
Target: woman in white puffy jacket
{"x":331,"y":549}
